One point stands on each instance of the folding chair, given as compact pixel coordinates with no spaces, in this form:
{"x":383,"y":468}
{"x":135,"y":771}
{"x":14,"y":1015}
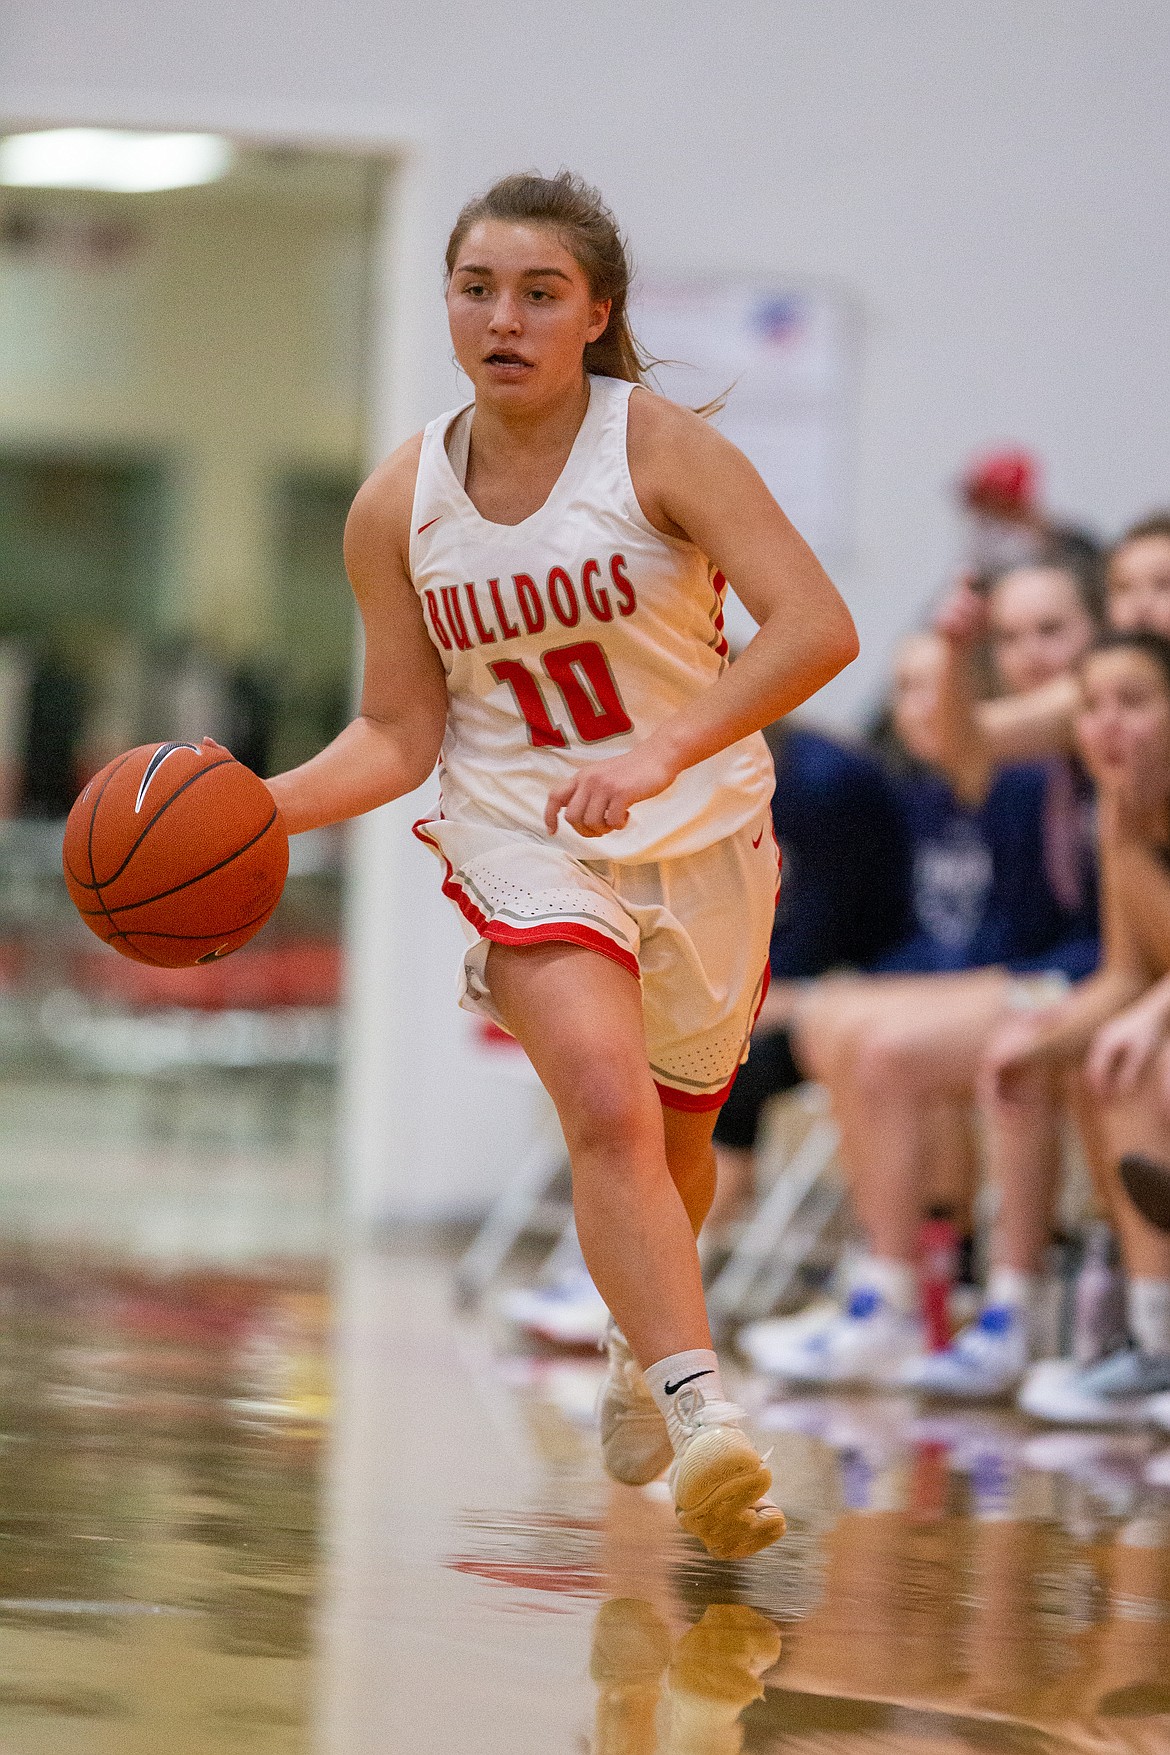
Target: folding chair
{"x":791,"y":1220}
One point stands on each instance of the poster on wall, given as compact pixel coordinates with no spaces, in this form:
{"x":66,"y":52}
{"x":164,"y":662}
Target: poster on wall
{"x":783,"y":357}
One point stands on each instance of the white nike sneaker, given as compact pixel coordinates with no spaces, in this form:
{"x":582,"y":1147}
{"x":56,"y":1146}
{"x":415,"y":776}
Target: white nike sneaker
{"x":631,"y":1649}
{"x":635,"y":1445}
{"x":987,"y":1360}
{"x":867,"y":1342}
{"x":718,"y":1480}
{"x":570,"y":1312}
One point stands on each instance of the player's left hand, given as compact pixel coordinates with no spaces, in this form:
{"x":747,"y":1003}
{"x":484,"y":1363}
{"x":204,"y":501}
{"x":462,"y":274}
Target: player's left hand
{"x":597,"y":799}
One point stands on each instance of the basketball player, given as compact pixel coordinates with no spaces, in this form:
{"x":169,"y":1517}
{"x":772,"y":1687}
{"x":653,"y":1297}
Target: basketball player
{"x":541,"y":577}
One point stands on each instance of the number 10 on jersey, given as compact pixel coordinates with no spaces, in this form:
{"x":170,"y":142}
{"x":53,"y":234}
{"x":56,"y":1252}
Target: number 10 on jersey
{"x":582,"y":677}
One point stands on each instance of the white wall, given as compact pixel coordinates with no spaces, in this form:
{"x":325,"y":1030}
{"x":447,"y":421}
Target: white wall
{"x":985,"y":178}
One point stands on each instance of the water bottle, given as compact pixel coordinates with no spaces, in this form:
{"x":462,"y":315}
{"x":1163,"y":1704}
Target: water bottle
{"x":939,"y":1248}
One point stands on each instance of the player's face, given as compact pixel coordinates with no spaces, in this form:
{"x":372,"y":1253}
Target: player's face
{"x":521,"y":313}
{"x":1123,"y":728}
{"x":1139,"y":586}
{"x":1039,"y":627}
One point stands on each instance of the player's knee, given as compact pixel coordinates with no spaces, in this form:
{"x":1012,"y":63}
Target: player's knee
{"x":611,"y":1115}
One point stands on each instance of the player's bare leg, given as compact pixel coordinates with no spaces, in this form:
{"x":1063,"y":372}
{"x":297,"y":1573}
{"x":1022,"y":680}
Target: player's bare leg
{"x":690,"y":1158}
{"x":634,"y":1438}
{"x":579,"y":1016}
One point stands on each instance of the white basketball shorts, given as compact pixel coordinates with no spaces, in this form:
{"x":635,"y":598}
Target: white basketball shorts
{"x":695,"y":931}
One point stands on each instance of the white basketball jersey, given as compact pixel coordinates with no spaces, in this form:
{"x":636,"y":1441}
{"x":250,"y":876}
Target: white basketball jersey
{"x":567,"y":638}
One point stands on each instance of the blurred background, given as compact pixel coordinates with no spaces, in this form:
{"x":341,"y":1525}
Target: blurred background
{"x":183,"y":429}
{"x":911,"y":235}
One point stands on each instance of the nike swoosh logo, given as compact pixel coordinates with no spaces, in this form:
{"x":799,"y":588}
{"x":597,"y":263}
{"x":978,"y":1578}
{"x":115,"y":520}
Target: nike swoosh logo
{"x":673,"y":1388}
{"x":427,"y":525}
{"x":758,"y":838}
{"x":155,"y":763}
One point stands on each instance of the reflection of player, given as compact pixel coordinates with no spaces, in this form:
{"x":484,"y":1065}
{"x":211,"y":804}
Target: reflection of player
{"x":539,"y":578}
{"x":712,"y":1676}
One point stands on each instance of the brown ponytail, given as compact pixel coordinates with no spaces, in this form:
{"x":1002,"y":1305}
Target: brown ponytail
{"x":588,"y":230}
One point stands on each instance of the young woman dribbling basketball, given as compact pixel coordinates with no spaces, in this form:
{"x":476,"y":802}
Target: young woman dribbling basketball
{"x":540,"y":575}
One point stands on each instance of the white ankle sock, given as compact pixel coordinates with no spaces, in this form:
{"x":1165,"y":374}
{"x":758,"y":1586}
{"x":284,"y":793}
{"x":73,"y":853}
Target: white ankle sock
{"x":1147,"y":1306}
{"x":1013,"y":1288}
{"x":897,"y":1282}
{"x":697,"y":1371}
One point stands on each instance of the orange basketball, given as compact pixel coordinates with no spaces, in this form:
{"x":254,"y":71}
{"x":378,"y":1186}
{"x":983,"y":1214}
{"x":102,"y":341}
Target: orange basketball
{"x":175,"y":854}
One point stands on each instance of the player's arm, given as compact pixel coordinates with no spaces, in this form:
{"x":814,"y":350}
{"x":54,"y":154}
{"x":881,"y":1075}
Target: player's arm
{"x":691,"y":482}
{"x":392,"y":744}
{"x":1122,"y":1050}
{"x":974,"y":737}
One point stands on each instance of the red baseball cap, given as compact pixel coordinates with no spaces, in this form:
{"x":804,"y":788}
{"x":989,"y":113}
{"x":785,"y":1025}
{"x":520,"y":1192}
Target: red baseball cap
{"x":1008,"y":478}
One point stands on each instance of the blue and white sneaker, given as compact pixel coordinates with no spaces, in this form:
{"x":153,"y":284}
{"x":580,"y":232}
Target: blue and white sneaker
{"x":867,"y":1342}
{"x":987,"y":1360}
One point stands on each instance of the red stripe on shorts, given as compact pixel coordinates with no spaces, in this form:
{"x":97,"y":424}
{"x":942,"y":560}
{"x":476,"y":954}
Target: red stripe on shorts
{"x":694,"y":1101}
{"x":541,"y":932}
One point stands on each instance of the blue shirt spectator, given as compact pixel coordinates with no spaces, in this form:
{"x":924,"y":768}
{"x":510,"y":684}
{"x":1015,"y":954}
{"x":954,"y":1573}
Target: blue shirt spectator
{"x":845,"y":888}
{"x":984,"y":889}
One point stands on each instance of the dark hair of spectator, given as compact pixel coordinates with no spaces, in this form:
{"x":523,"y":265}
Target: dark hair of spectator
{"x":1153,"y":646}
{"x":1153,"y":524}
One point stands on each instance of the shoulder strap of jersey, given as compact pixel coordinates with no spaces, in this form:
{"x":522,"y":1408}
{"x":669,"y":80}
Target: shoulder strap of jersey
{"x":436,"y":491}
{"x":612,"y":444}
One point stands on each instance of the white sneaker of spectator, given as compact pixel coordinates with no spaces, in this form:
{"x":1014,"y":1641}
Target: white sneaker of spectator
{"x":986,"y":1360}
{"x":1117,"y":1392}
{"x":1157,"y":1473}
{"x":867,"y":1342}
{"x":759,"y":1341}
{"x":570,"y":1312}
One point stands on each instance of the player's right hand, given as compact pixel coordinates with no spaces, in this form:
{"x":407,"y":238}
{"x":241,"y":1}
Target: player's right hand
{"x":597,"y":799}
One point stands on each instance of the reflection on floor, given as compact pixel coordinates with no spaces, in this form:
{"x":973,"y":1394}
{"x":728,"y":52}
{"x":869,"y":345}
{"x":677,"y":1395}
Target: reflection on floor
{"x":159,"y":1526}
{"x":240,"y":1514}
